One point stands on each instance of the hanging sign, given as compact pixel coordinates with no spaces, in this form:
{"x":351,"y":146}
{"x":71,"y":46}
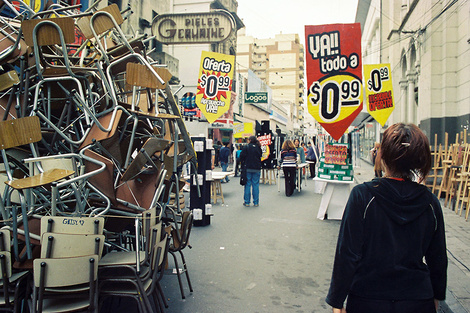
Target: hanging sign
{"x":334,"y":75}
{"x":214,"y":84}
{"x":265,"y":142}
{"x":379,"y":91}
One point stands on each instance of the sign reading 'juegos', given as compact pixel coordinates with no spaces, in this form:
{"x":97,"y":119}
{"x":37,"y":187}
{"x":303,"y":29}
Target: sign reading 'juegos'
{"x":187,"y":28}
{"x":334,"y":75}
{"x":214,"y":87}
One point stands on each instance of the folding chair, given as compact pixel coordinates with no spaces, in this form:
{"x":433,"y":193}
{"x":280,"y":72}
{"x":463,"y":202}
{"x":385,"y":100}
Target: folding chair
{"x":180,"y":240}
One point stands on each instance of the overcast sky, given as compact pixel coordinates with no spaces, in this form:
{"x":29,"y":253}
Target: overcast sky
{"x":264,"y":19}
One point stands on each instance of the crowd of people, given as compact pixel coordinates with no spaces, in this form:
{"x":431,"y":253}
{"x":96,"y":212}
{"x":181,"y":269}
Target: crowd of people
{"x":243,"y":156}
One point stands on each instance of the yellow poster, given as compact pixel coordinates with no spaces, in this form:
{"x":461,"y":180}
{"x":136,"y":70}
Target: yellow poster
{"x":214,"y":84}
{"x":242,"y":130}
{"x":379,"y":91}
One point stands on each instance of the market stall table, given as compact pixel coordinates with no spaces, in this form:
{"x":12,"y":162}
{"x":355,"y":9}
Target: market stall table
{"x":334,"y":198}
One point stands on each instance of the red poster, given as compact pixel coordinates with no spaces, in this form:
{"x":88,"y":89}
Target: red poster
{"x":334,"y":75}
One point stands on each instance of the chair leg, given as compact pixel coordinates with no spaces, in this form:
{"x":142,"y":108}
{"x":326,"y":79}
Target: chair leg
{"x":162,"y":295}
{"x":178,"y":274}
{"x":186,"y":271}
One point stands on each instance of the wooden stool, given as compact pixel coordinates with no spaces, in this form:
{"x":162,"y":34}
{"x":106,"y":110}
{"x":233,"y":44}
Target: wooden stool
{"x":216,"y":191}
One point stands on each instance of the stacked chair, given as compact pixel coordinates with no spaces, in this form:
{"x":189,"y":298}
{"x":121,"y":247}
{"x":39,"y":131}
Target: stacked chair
{"x":450,"y":175}
{"x":92,"y":143}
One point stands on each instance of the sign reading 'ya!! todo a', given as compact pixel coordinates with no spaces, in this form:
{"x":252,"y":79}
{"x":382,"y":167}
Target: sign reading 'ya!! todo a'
{"x":379,"y":91}
{"x":214,"y":84}
{"x":334,"y":75}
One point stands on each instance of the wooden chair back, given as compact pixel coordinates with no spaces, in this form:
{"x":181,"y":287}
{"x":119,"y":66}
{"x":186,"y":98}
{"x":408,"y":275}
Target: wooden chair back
{"x":102,"y":23}
{"x":72,"y":225}
{"x":22,"y":131}
{"x":47,"y":35}
{"x":65,"y":272}
{"x":55,"y":245}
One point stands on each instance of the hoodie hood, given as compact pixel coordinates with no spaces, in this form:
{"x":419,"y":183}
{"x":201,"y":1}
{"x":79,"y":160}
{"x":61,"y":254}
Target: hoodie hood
{"x":402,"y":201}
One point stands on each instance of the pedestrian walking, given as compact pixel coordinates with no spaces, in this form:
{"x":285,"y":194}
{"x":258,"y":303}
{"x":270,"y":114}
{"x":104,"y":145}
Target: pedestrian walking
{"x":250,"y":157}
{"x":289,"y":165}
{"x":375,"y":161}
{"x":224,"y":156}
{"x":237,"y":159}
{"x":312,"y":158}
{"x":391,"y":250}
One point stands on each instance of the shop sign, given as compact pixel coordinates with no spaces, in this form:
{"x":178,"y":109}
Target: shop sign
{"x":193,"y":28}
{"x":334,"y":75}
{"x":256,"y":97}
{"x":379,"y":91}
{"x":214,"y":84}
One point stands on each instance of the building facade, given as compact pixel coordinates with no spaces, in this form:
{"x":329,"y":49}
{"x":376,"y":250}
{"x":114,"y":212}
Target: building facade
{"x":279,"y":62}
{"x":427,"y":45}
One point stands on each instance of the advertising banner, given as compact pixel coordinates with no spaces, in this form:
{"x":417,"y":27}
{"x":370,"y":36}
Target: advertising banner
{"x":242,"y":130}
{"x":379,"y":91}
{"x":334,"y":75}
{"x":265,"y":141}
{"x":214,"y":84}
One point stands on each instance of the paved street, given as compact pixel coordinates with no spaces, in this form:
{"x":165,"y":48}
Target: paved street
{"x":278,"y":257}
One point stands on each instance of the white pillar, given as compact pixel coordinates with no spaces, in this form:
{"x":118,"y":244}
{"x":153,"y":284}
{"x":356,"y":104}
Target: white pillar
{"x":403,"y":101}
{"x":411,"y":98}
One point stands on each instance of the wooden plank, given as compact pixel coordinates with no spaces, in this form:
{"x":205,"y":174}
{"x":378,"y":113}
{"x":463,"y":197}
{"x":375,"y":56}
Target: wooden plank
{"x":47,"y":35}
{"x":140,"y":75}
{"x":22,"y":131}
{"x":39,"y":180}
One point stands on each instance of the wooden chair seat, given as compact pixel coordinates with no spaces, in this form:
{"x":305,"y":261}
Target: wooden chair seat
{"x":42,"y":179}
{"x":121,"y":258}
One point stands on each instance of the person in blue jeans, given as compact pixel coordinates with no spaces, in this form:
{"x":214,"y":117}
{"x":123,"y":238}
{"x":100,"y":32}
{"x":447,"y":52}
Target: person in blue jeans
{"x":250,"y":157}
{"x":224,"y":155}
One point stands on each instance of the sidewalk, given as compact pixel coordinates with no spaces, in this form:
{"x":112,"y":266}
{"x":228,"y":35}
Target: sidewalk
{"x":458,"y":251}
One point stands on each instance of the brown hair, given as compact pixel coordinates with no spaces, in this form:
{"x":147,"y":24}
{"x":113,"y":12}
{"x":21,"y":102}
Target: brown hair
{"x":287,"y":145}
{"x":405,"y":151}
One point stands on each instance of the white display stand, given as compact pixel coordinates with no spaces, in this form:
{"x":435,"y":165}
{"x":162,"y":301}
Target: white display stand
{"x":334,"y":198}
{"x":300,"y":167}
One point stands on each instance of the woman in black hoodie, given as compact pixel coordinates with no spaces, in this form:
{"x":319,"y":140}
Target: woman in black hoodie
{"x":391,"y":251}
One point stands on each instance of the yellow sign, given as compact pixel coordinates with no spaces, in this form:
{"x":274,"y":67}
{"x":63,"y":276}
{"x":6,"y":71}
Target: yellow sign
{"x":215,"y":84}
{"x":242,"y":130}
{"x":379,"y":91}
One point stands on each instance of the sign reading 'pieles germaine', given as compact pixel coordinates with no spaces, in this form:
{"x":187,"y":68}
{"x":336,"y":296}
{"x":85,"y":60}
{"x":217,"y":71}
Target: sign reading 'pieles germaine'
{"x":186,"y":28}
{"x":334,"y":75}
{"x":214,"y":86}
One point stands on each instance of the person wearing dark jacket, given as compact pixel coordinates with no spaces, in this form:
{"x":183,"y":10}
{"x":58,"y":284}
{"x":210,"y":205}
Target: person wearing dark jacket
{"x":391,"y":250}
{"x":224,"y":155}
{"x":289,"y":165}
{"x":250,"y":157}
{"x":311,"y":158}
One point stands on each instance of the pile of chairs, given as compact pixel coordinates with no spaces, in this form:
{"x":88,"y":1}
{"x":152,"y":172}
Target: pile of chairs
{"x":450,"y":174}
{"x":91,"y":134}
